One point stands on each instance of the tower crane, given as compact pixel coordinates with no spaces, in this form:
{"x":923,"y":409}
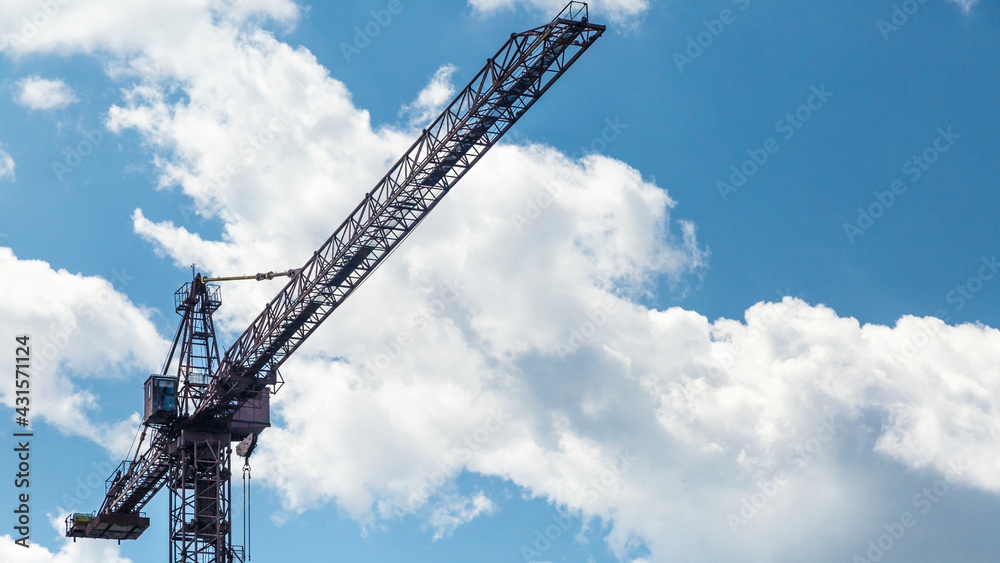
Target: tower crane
{"x":202,"y":402}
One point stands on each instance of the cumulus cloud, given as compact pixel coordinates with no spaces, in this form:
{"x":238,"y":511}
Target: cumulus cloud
{"x":35,"y":92}
{"x":80,"y":327}
{"x":101,"y":26}
{"x":457,"y":511}
{"x":517,"y":295}
{"x":506,"y":337}
{"x":660,"y":423}
{"x":530,"y":216}
{"x":617,"y":11}
{"x":431,"y":100}
{"x":6,"y":165}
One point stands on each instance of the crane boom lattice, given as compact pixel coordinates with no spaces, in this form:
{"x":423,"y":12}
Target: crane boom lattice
{"x":197,"y":410}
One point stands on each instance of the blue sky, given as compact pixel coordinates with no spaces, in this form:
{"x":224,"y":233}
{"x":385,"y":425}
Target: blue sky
{"x":782,"y":254}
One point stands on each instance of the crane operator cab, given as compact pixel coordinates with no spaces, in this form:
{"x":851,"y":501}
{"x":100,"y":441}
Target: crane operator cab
{"x":160,"y":399}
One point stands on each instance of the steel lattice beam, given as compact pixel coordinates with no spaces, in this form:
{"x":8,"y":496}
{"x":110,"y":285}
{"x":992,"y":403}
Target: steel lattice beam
{"x":499,"y":94}
{"x":510,"y":83}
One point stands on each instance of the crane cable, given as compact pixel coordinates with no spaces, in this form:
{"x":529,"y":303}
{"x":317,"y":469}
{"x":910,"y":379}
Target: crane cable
{"x":246,"y":507}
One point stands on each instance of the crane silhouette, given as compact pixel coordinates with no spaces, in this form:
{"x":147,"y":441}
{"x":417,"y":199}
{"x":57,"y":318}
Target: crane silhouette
{"x":202,"y":402}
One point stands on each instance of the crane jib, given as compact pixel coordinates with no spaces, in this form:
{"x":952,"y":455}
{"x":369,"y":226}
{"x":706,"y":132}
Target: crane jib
{"x":477,"y":117}
{"x":512,"y":80}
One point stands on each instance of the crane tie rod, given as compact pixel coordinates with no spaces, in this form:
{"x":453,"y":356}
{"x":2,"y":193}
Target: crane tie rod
{"x":258,"y":277}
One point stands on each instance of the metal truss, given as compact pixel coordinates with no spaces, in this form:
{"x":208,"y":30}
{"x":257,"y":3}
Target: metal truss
{"x":510,"y":83}
{"x":200,"y":512}
{"x":190,"y":452}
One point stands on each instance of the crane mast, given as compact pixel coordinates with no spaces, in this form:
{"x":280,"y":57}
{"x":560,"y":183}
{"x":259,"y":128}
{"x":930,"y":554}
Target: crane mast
{"x":195,"y":411}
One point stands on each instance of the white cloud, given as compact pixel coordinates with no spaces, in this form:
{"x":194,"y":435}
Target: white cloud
{"x":80,"y":328}
{"x":966,"y":5}
{"x":69,"y":551}
{"x":41,"y":93}
{"x":100,"y":26}
{"x":450,"y":358}
{"x":456,"y":511}
{"x":601,"y":227}
{"x":644,"y":427}
{"x":475,"y":309}
{"x":431,"y":100}
{"x":6,"y":165}
{"x":626,"y":12}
